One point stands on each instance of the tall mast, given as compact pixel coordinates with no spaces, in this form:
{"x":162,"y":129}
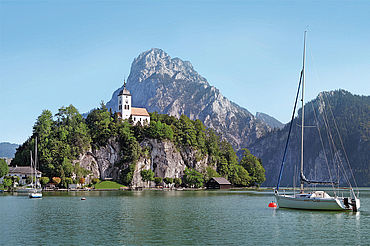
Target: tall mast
{"x":35,"y":162}
{"x":31,"y":169}
{"x":302,"y":128}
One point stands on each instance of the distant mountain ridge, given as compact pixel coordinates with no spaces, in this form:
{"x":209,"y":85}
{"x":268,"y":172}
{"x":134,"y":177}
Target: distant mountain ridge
{"x":352,"y":116}
{"x":172,"y":86}
{"x":269,"y":120}
{"x":8,"y":149}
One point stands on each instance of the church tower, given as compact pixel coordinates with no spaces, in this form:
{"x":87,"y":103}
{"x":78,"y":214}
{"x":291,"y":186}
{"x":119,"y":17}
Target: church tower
{"x":124,"y":102}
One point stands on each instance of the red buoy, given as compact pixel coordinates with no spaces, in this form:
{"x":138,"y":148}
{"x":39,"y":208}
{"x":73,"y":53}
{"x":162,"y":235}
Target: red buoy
{"x":272,"y":205}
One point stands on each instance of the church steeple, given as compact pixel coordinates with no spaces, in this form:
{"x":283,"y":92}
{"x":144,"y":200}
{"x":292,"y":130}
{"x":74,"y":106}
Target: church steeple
{"x":124,"y":101}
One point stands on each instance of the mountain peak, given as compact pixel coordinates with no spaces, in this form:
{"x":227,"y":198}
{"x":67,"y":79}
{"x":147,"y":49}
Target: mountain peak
{"x":156,"y":62}
{"x":172,"y":86}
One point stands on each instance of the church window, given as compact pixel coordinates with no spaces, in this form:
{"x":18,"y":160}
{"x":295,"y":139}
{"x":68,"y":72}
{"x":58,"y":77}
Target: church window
{"x":120,"y":107}
{"x":128,"y":106}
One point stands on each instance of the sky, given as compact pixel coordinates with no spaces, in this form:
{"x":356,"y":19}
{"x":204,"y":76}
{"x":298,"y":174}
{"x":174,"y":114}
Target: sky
{"x":57,"y":53}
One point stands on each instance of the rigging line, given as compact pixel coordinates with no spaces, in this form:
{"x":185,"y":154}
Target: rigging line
{"x":334,"y":147}
{"x":290,"y":130}
{"x":337,"y":129}
{"x":330,"y":146}
{"x":323,"y":147}
{"x":342,"y":145}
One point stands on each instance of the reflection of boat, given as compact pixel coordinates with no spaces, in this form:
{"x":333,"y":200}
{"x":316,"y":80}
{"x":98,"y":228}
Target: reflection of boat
{"x":317,"y":200}
{"x":35,"y":193}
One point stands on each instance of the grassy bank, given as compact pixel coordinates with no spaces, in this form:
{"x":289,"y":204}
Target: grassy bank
{"x":108,"y":185}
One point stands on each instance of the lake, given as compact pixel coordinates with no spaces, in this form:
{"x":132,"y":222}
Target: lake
{"x":174,"y":218}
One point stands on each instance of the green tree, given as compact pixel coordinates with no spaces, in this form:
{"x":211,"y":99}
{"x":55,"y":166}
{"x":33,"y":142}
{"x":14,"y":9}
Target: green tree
{"x":127,"y":174}
{"x":44,"y":181}
{"x":193,"y":178}
{"x":100,"y":125}
{"x":177,"y":182}
{"x":239,"y":176}
{"x":4,"y":169}
{"x":147,"y":175}
{"x":7,"y":182}
{"x":95,"y":181}
{"x":253,"y":167}
{"x":168,"y":181}
{"x":210,"y":173}
{"x":67,"y":181}
{"x":158,"y":181}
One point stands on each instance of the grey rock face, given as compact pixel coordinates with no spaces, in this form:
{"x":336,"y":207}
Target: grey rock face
{"x":172,"y":86}
{"x":269,"y":120}
{"x":165,"y":160}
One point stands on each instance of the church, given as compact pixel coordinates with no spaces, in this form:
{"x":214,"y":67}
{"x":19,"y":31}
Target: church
{"x":125,"y":111}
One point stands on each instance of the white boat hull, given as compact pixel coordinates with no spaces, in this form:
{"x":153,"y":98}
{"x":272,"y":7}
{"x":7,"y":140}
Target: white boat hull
{"x":314,"y":203}
{"x":35,"y":195}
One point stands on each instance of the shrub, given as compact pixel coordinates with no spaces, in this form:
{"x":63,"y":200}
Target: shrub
{"x":56,"y":180}
{"x":177,"y":182}
{"x":158,"y":181}
{"x":94,"y":181}
{"x":44,"y":181}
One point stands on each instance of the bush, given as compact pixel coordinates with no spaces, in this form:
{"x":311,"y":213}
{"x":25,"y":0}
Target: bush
{"x":44,"y":181}
{"x":168,"y":180}
{"x":94,"y":181}
{"x":177,"y":182}
{"x":7,"y":182}
{"x":56,"y":180}
{"x":158,"y":181}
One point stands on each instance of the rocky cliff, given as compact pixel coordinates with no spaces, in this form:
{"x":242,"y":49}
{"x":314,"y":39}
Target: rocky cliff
{"x":172,"y":86}
{"x":165,"y":159}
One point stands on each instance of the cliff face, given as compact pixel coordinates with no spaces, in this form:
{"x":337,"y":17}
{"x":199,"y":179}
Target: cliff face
{"x":172,"y":86}
{"x":165,"y":159}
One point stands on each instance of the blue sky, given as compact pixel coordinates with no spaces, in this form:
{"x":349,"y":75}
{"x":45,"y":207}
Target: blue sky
{"x":56,"y":53}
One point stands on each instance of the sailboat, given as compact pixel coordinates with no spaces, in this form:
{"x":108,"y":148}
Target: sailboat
{"x":316,"y":200}
{"x":36,"y":193}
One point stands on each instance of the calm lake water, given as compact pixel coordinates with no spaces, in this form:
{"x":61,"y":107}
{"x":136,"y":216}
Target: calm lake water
{"x":174,"y":218}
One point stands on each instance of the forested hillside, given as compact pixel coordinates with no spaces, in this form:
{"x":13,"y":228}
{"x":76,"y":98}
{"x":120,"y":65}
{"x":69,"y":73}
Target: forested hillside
{"x":66,"y":137}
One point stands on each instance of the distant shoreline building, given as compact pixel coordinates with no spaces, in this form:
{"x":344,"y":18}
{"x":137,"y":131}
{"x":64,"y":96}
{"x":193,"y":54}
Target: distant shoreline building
{"x":22,"y":172}
{"x":125,"y":110}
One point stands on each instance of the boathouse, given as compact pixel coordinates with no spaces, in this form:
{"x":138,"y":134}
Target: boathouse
{"x":218,"y":183}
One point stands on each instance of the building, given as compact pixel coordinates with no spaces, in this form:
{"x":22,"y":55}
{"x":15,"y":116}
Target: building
{"x":218,"y":183}
{"x":125,"y":110}
{"x":22,"y":172}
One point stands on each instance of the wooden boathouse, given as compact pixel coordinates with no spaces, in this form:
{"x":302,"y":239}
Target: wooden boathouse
{"x":218,"y":183}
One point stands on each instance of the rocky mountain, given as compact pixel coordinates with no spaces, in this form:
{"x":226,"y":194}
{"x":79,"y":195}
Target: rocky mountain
{"x":8,"y":150}
{"x":352,"y":117}
{"x":172,"y":86}
{"x":269,"y":120}
{"x":165,"y":160}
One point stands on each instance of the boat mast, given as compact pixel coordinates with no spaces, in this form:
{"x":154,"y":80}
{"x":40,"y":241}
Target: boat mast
{"x":31,"y":168}
{"x":35,"y":162}
{"x":302,"y":128}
